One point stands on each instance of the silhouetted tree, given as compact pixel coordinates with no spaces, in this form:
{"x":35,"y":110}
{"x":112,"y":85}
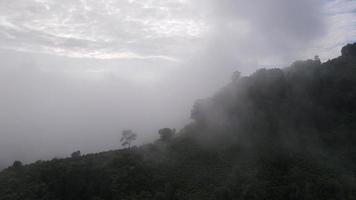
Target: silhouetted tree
{"x":128,"y":136}
{"x":349,"y":50}
{"x":317,"y":59}
{"x":75,"y":154}
{"x":166,"y":134}
{"x":17,"y":164}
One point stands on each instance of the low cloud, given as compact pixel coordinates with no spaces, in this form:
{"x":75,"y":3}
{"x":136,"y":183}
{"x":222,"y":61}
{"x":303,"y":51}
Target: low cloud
{"x":76,"y":73}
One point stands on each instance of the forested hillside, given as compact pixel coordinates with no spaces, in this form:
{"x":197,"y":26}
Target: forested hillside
{"x":276,"y":134}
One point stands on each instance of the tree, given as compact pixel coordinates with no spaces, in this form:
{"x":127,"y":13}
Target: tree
{"x":349,"y":50}
{"x":75,"y":154}
{"x":317,"y":59}
{"x":236,"y":76}
{"x":166,"y":134}
{"x":128,"y":136}
{"x":17,"y":164}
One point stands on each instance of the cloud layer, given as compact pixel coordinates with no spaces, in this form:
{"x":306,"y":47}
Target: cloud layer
{"x":98,"y":29}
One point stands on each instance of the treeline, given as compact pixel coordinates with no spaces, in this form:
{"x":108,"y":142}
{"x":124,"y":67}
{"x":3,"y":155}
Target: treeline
{"x":277,"y":134}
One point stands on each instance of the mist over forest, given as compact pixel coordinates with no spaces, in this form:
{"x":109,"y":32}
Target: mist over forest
{"x":276,"y":134}
{"x":74,"y":74}
{"x":177,"y":99}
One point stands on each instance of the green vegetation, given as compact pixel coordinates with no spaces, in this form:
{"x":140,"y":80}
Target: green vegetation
{"x":277,"y":134}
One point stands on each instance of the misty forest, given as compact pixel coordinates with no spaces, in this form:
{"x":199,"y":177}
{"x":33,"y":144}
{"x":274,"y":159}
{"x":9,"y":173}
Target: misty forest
{"x":177,"y":99}
{"x":276,"y":134}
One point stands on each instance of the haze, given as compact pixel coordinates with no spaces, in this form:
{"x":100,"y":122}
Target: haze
{"x":75,"y":73}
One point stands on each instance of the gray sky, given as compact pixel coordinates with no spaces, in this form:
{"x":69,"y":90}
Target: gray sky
{"x":75,"y":73}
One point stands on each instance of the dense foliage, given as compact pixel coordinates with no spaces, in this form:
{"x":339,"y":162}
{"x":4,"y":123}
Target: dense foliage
{"x":277,"y":134}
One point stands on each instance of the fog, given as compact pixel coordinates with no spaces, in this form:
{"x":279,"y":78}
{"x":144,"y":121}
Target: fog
{"x":74,"y":74}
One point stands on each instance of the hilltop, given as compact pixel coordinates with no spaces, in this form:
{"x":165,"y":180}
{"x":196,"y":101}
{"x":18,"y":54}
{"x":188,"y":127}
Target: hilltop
{"x":276,"y":134}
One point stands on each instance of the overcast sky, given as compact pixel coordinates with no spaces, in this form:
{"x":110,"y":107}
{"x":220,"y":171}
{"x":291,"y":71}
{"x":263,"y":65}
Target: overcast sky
{"x":75,"y":73}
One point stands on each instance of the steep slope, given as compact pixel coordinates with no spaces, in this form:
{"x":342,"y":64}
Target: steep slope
{"x":277,"y":134}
